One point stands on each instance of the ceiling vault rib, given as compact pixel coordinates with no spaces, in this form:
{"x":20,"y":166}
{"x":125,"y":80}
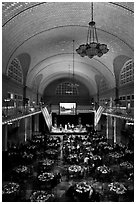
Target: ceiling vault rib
{"x":62,"y":27}
{"x":80,"y":62}
{"x":121,"y":6}
{"x":52,"y":78}
{"x":38,"y":4}
{"x":22,"y":12}
{"x":77,"y":61}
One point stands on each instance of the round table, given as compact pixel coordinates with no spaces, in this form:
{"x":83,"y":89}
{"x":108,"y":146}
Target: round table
{"x":52,"y":153}
{"x":10,"y":191}
{"x":85,"y":143}
{"x":117,"y":191}
{"x":46,"y":164}
{"x":103,"y":144}
{"x":129,"y":155}
{"x":126,"y":168}
{"x":27,"y":157}
{"x":21,"y":171}
{"x":115,"y":157}
{"x":90,"y":149}
{"x":83,"y":191}
{"x":96,"y":159}
{"x":31,"y":148}
{"x":103,"y":173}
{"x":53,"y":145}
{"x":46,"y":177}
{"x":72,"y":158}
{"x":74,"y":170}
{"x":108,"y":149}
{"x":126,"y":165}
{"x":41,"y":196}
{"x":46,"y":180}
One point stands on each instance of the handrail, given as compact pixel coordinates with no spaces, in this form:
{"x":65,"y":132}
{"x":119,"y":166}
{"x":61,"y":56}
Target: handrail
{"x":14,"y":114}
{"x":19,"y":117}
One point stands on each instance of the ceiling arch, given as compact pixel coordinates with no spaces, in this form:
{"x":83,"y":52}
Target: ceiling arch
{"x":60,"y":38}
{"x":68,"y":59}
{"x":45,"y":31}
{"x":91,"y":85}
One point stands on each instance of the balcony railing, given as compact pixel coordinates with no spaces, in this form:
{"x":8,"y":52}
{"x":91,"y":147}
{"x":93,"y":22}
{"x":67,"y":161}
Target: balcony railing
{"x":121,"y":111}
{"x":9,"y":113}
{"x":12,"y":112}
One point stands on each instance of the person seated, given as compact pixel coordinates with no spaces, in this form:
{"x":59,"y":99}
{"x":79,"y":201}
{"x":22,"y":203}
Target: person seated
{"x":69,"y":126}
{"x":60,"y":127}
{"x":78,"y":148}
{"x":86,"y":160}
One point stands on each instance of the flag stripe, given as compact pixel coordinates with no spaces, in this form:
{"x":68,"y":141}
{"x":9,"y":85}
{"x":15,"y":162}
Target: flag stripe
{"x":98,"y":114}
{"x":47,"y":117}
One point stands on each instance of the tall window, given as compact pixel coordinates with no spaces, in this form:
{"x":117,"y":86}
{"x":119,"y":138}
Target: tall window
{"x":15,"y":71}
{"x":66,"y":88}
{"x":127,"y":73}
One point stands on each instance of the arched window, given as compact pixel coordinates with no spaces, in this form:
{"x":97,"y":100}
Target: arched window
{"x":127,"y":73}
{"x":15,"y":71}
{"x":66,"y":88}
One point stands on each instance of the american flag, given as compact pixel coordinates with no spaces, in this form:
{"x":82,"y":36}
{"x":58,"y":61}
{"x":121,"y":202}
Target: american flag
{"x":97,"y":114}
{"x":47,"y":117}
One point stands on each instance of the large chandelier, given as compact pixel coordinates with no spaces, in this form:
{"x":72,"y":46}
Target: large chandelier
{"x":92,"y":47}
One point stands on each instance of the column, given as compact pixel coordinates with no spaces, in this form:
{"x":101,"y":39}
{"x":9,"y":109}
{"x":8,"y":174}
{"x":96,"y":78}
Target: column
{"x":4,"y":137}
{"x":26,"y":123}
{"x":36,"y":123}
{"x":22,"y":131}
{"x":109,"y":129}
{"x":119,"y":128}
{"x":24,"y":95}
{"x":30,"y":127}
{"x":115,"y":130}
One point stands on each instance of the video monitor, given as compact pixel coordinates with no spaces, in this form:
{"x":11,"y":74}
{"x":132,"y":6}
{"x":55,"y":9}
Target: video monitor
{"x":67,"y":108}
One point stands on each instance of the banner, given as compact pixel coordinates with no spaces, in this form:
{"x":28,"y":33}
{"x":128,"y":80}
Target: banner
{"x":47,"y":117}
{"x":97,"y":115}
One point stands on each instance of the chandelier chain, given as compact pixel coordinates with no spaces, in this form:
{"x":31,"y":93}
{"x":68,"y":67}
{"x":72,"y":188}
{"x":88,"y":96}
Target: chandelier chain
{"x":73,"y":59}
{"x":92,"y":10}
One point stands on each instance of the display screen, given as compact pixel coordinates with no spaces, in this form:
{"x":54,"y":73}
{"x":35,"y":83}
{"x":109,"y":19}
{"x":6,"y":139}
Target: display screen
{"x":67,"y":108}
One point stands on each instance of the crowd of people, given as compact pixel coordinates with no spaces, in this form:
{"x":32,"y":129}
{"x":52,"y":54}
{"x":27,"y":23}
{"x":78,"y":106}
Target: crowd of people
{"x":89,"y":167}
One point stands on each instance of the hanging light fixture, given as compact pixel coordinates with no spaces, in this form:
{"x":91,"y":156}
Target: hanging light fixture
{"x":70,"y":84}
{"x":92,"y":47}
{"x":73,"y":84}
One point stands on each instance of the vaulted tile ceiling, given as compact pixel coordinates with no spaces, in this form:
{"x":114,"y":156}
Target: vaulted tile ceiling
{"x":42,"y":33}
